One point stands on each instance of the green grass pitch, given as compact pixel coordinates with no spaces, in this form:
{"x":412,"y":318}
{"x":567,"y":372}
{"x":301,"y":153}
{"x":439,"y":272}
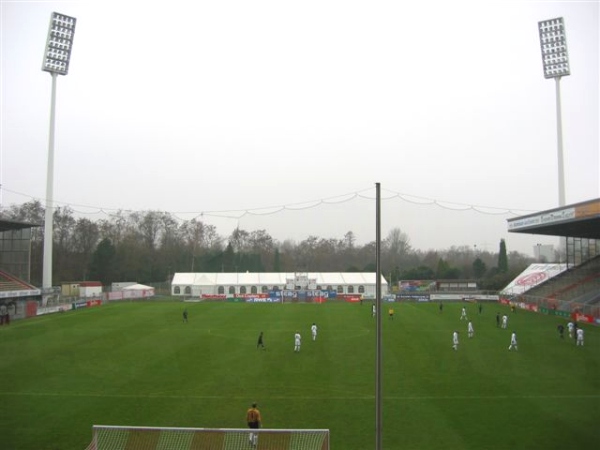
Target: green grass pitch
{"x":139,"y":364}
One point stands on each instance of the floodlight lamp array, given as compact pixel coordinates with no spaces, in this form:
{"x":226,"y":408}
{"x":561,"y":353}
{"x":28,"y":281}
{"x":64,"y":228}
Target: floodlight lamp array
{"x":59,"y":44}
{"x":553,"y":43}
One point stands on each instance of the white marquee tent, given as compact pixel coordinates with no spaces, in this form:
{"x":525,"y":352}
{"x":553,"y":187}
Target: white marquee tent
{"x":199,"y":284}
{"x":137,"y":291}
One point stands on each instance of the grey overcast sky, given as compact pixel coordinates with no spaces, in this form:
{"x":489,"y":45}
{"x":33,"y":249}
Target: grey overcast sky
{"x":282,"y":115}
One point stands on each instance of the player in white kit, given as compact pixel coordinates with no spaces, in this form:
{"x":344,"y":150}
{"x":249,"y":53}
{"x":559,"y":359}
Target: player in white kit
{"x":579,"y":336}
{"x":513,"y":342}
{"x":297,"y":341}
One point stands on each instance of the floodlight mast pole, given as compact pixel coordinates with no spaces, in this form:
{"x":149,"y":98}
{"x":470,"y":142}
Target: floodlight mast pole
{"x":559,"y":147}
{"x":57,"y":56}
{"x":555,"y":60}
{"x":49,"y":213}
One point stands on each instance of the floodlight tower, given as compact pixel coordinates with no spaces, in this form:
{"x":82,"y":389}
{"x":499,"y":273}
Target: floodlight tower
{"x":57,"y":56}
{"x":555,"y":58}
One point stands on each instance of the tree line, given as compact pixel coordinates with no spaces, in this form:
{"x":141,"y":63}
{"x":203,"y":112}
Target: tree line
{"x":150,"y":246}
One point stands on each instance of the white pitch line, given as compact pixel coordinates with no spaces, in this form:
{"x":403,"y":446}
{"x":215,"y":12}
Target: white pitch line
{"x":319,"y":397}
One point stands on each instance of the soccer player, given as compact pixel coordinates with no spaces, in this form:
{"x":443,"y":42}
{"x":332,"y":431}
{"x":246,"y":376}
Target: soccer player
{"x":441,"y":306}
{"x":561,"y":330}
{"x":470,"y":330}
{"x":297,"y":341}
{"x":260,"y":342}
{"x":185,"y":316}
{"x":313,"y":330}
{"x":254,"y":422}
{"x":391,"y":313}
{"x":570,"y":327}
{"x":504,"y":321}
{"x":579,"y":336}
{"x":513,"y":342}
{"x":497,"y":319}
{"x":373,"y":310}
{"x":480,"y":307}
{"x":455,"y":340}
{"x":463,"y":314}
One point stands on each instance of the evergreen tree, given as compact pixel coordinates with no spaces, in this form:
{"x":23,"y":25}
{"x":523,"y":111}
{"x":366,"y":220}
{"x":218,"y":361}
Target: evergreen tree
{"x":103,"y":262}
{"x":479,"y":268}
{"x":228,"y":262}
{"x":502,"y":258}
{"x":276,"y":261}
{"x":417,"y":273}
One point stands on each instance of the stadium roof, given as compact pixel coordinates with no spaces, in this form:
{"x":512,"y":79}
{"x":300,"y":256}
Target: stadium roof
{"x":7,"y":225}
{"x":580,"y":220}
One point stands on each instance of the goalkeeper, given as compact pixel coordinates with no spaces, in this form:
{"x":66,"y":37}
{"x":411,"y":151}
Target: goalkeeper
{"x":253,"y":417}
{"x":254,"y":420}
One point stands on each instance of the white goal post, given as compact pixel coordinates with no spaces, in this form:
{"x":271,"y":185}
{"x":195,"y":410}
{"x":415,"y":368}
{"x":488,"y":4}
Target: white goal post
{"x":108,"y":437}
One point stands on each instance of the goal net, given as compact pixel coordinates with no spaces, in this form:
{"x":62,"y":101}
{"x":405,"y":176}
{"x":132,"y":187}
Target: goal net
{"x":158,"y":438}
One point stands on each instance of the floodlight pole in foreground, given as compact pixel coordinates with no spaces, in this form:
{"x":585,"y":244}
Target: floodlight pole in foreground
{"x":57,"y":56}
{"x":555,"y":59}
{"x":378,"y":315}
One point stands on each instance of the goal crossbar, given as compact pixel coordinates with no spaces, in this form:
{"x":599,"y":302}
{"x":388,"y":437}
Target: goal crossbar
{"x":112,"y":437}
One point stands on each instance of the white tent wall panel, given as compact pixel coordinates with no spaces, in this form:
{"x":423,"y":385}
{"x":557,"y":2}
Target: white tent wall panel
{"x":198,"y":284}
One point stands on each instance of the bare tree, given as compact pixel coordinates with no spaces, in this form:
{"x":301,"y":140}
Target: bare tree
{"x":86,"y":236}
{"x":239,"y":240}
{"x":396,"y":249}
{"x":261,"y":243}
{"x":349,"y":240}
{"x":114,"y":228}
{"x":149,"y":225}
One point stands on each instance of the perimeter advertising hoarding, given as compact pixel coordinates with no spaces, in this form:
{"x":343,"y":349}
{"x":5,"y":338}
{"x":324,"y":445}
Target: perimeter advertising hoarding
{"x":85,"y":304}
{"x":52,"y":309}
{"x":261,"y":300}
{"x":20,"y":293}
{"x":554,"y":312}
{"x":413,"y":297}
{"x":416,"y":285}
{"x":584,"y":318}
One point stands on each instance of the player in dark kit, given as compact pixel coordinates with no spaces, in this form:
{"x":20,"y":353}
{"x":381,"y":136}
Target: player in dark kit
{"x":260,"y":342}
{"x":561,"y":331}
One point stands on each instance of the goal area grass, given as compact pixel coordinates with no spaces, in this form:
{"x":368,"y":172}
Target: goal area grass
{"x":139,"y":364}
